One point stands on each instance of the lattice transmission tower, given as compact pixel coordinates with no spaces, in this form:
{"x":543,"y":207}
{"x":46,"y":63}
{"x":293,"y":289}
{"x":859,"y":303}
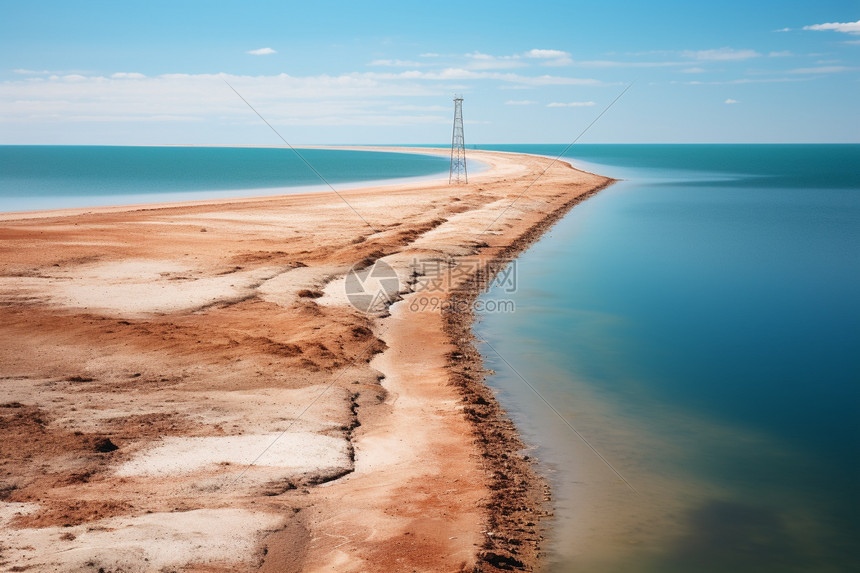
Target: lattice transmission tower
{"x":458,"y":173}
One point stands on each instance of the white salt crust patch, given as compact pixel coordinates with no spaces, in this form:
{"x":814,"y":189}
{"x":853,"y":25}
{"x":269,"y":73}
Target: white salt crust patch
{"x":294,"y":452}
{"x":151,"y":542}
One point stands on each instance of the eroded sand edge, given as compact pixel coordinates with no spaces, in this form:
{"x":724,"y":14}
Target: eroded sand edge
{"x":188,"y":386}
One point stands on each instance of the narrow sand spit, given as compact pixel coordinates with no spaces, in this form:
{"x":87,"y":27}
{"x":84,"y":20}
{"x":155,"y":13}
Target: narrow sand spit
{"x":187,"y":386}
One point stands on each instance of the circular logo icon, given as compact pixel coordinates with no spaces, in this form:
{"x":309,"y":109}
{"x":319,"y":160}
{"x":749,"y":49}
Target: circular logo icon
{"x":372,"y":288}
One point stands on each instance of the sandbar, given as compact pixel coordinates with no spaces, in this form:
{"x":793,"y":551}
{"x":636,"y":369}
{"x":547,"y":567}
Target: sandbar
{"x":191,"y":386}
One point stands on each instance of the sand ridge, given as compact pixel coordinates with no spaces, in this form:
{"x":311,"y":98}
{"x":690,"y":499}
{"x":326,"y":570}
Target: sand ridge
{"x":147,"y":353}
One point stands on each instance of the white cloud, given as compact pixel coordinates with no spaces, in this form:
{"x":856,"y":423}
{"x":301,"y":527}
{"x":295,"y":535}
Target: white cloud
{"x":347,"y":99}
{"x":479,"y":56}
{"x":822,"y":70}
{"x":49,"y":72}
{"x":420,"y":108}
{"x":449,"y":74}
{"x":741,"y":81}
{"x":520,"y":102}
{"x":571,"y":104}
{"x":783,"y":30}
{"x":261,"y":52}
{"x":781,"y":54}
{"x":550,"y":57}
{"x":429,"y":55}
{"x":721,"y":54}
{"x":101,"y":118}
{"x":547,"y":54}
{"x":619,"y":64}
{"x":396,"y":63}
{"x":600,"y":64}
{"x":479,"y":61}
{"x":731,"y":101}
{"x":359,"y":98}
{"x":652,"y":53}
{"x":547,"y":80}
{"x":694,"y":70}
{"x":844,"y":27}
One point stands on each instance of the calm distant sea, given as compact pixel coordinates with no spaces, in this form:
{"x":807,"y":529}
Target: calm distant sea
{"x":53,"y":177}
{"x":699,"y":324}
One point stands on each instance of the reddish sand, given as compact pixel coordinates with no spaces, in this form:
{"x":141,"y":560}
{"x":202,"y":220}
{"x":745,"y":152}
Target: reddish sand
{"x":187,"y":387}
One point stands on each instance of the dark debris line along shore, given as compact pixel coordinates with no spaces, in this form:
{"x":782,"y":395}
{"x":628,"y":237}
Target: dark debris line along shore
{"x":519,"y":504}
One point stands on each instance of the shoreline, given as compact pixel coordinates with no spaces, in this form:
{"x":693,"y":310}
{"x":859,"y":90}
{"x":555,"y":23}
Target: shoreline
{"x":521,"y":494}
{"x":384,"y":491}
{"x":242,"y":194}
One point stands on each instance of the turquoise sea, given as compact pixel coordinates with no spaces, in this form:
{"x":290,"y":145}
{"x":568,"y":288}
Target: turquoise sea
{"x":52,"y":177}
{"x":699,"y":324}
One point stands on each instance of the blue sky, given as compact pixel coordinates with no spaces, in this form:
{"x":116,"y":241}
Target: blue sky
{"x":384,"y":72}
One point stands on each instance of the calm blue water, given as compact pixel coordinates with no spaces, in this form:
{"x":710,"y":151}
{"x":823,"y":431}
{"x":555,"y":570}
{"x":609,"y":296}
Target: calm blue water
{"x":51,"y":177}
{"x":699,"y":324}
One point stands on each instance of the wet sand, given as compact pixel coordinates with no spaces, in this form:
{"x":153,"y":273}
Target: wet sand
{"x":187,"y":386}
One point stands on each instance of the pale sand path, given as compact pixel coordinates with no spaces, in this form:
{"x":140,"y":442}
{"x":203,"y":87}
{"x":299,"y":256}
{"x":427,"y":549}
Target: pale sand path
{"x":190,"y":335}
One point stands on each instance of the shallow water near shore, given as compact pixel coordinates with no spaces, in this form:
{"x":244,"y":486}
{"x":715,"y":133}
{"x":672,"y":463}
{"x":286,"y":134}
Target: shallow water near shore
{"x":699,"y":325}
{"x":36,"y":177}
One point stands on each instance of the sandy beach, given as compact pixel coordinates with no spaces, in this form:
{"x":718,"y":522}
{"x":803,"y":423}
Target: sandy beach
{"x":190,"y":387}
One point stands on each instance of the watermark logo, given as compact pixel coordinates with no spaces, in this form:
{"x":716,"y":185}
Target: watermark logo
{"x":372,"y":289}
{"x":432,"y":275}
